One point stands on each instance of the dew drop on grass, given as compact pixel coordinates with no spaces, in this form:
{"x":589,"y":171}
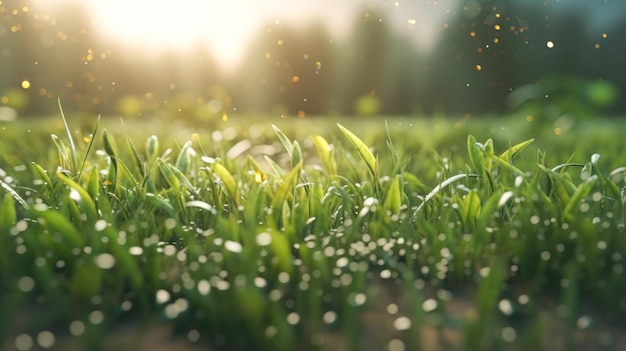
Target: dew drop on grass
{"x":233,"y":246}
{"x":396,"y":345}
{"x":429,"y":305}
{"x":26,"y":284}
{"x":45,"y":339}
{"x":508,"y":334}
{"x":204,"y":287}
{"x":105,"y":261}
{"x":263,"y":239}
{"x":505,"y":307}
{"x":77,"y":328}
{"x":96,"y":317}
{"x":329,"y":317}
{"x":74,"y":195}
{"x":23,"y":342}
{"x":584,"y":322}
{"x":293,"y":318}
{"x":162,"y":296}
{"x":100,"y":225}
{"x":136,"y":250}
{"x":402,"y":323}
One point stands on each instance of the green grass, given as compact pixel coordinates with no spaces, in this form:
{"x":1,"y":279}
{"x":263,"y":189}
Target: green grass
{"x":409,"y":234}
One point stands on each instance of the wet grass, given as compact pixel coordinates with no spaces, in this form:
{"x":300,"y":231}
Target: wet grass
{"x":407,"y":234}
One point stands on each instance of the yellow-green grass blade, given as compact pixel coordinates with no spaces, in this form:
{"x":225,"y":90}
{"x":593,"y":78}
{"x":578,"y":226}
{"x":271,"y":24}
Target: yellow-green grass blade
{"x":365,"y":153}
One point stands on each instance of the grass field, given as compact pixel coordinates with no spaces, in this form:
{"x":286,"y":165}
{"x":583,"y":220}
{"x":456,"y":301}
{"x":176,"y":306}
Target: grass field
{"x":397,"y":234}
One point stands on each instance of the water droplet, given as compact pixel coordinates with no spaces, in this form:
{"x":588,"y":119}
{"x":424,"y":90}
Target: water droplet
{"x":429,"y":305}
{"x":508,"y":334}
{"x":45,"y":339}
{"x":136,"y":250}
{"x":162,"y":296}
{"x":100,"y":225}
{"x":105,"y":261}
{"x":264,"y":239}
{"x":505,"y":307}
{"x":402,"y":323}
{"x":23,"y":342}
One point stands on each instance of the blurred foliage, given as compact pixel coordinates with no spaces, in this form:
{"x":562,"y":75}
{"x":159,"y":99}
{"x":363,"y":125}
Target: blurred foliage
{"x":562,"y":96}
{"x":486,"y":50}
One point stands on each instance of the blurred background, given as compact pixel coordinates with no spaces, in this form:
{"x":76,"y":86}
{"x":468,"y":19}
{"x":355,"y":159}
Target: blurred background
{"x":202,"y":60}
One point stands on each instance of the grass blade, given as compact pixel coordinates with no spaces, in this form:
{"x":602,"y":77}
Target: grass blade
{"x":365,"y":153}
{"x":13,"y":193}
{"x":443,"y":184}
{"x":513,"y":151}
{"x":476,"y":155}
{"x":73,"y":158}
{"x":283,"y":139}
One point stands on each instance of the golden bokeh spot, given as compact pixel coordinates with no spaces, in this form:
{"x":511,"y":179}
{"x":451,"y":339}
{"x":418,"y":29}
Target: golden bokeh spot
{"x":87,"y":138}
{"x":479,"y":67}
{"x":42,"y":91}
{"x":96,"y":100}
{"x":107,"y":182}
{"x":472,"y":34}
{"x":25,"y":9}
{"x":496,"y":27}
{"x":280,"y":42}
{"x":318,"y":65}
{"x":14,"y":29}
{"x":497,"y":15}
{"x":148,"y":95}
{"x":295,"y":79}
{"x":195,"y":137}
{"x":550,"y":44}
{"x":496,"y":40}
{"x":25,"y":84}
{"x":479,"y":50}
{"x":597,"y":46}
{"x":4,"y":100}
{"x":529,"y":118}
{"x":512,"y":28}
{"x":224,"y":116}
{"x":604,"y":35}
{"x":301,"y":114}
{"x":268,"y":55}
{"x":557,"y":131}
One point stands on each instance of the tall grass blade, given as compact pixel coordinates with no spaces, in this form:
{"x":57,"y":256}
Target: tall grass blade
{"x":227,"y":179}
{"x":476,"y":155}
{"x":135,"y":155}
{"x":296,"y":154}
{"x":86,"y":200}
{"x":91,"y":141}
{"x":8,"y":215}
{"x":513,"y":151}
{"x":443,"y":184}
{"x":74,"y":159}
{"x":365,"y":153}
{"x":283,"y":139}
{"x":108,"y":148}
{"x":14,"y":194}
{"x":286,"y":188}
{"x":324,"y":151}
{"x":56,"y":222}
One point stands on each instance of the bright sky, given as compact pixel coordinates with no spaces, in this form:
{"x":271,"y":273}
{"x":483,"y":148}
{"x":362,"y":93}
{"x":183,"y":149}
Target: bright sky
{"x":229,"y":25}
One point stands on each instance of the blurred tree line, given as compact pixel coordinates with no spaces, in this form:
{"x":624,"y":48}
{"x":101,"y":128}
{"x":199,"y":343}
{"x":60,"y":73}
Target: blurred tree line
{"x":492,"y":57}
